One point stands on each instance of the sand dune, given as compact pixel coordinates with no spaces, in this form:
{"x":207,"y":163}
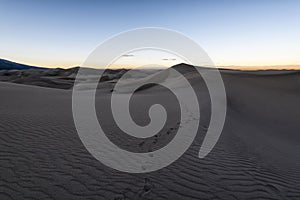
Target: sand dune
{"x":257,"y":156}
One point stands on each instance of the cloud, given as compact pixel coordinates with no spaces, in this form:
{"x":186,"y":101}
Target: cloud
{"x":167,"y":59}
{"x":127,"y":55}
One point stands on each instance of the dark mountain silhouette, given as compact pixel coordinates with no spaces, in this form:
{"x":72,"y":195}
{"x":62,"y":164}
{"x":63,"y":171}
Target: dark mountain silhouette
{"x":9,"y":65}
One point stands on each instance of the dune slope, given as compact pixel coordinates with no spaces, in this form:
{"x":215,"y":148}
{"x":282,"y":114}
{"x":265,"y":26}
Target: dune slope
{"x":257,"y":156}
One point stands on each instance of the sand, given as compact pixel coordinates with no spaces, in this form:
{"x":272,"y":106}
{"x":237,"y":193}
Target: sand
{"x":256,"y":157}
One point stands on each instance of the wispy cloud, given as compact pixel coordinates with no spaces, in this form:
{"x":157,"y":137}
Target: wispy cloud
{"x":167,"y":59}
{"x":127,"y":55}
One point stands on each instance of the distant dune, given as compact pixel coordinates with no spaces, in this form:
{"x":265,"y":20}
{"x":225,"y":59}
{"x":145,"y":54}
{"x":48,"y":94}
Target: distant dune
{"x":257,"y":156}
{"x":64,"y":78}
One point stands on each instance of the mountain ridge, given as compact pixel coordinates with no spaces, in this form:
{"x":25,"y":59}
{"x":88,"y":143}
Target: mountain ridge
{"x":10,"y":65}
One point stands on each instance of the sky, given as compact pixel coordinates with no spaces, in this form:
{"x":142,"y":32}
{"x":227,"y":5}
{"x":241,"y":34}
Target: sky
{"x":233,"y":33}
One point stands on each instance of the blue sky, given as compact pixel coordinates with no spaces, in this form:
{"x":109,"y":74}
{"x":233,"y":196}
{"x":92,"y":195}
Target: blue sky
{"x":63,"y":33}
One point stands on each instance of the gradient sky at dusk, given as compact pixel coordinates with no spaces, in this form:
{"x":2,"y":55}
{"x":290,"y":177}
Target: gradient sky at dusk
{"x":62,"y":34}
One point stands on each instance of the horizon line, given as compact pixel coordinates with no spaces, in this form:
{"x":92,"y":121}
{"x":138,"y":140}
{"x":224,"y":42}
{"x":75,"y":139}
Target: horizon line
{"x":233,"y":67}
